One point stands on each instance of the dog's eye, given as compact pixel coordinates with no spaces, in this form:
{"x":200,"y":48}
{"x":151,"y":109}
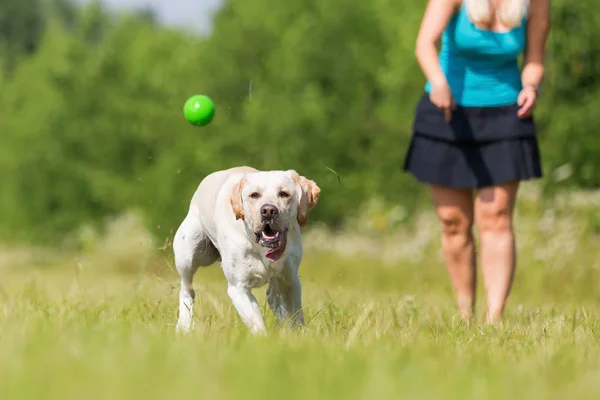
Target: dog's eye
{"x":284,"y":194}
{"x":254,"y":195}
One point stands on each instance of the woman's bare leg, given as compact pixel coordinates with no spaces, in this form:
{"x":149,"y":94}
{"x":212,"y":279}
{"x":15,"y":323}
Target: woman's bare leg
{"x":454,"y":207}
{"x":494,"y":208}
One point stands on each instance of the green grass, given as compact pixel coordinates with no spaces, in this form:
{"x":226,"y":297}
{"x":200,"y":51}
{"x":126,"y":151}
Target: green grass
{"x":111,"y":337}
{"x":378,"y":328}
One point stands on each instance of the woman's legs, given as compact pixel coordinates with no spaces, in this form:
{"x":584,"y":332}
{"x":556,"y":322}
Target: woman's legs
{"x":493,"y":216}
{"x":454,"y":207}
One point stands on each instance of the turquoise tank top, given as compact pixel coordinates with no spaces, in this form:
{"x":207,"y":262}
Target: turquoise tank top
{"x":481,"y":66}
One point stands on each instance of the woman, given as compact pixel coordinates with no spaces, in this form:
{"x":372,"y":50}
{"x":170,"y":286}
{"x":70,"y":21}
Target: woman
{"x":474,"y":136}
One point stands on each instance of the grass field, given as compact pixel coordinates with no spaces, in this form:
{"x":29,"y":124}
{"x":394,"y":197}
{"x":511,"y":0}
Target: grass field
{"x":380,"y":324}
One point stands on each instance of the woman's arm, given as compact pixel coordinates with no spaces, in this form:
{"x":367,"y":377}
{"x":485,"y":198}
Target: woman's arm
{"x":436,"y":18}
{"x":533,"y":69}
{"x":537,"y":34}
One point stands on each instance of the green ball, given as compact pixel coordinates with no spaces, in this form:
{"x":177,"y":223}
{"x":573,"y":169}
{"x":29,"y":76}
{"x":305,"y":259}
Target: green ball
{"x":199,"y":110}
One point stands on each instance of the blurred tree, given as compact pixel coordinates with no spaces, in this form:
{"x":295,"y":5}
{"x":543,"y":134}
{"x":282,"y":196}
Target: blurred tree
{"x":62,"y":10}
{"x":92,"y":121}
{"x":569,"y":101}
{"x":21,"y":26}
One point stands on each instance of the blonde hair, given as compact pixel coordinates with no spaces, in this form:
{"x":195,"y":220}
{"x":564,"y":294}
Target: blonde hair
{"x":510,"y":12}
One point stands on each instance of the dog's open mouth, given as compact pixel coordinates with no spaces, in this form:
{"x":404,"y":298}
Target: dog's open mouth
{"x":273,"y":240}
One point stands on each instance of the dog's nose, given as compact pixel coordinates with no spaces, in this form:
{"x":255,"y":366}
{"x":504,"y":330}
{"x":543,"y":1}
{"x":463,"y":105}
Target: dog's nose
{"x":268,"y":211}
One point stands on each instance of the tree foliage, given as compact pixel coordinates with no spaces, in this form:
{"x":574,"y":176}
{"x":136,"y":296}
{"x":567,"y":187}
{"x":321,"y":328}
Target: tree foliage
{"x":92,"y":125}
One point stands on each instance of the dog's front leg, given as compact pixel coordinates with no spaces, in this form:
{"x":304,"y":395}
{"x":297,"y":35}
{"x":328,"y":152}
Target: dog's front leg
{"x":285,"y":298}
{"x":247,"y":307}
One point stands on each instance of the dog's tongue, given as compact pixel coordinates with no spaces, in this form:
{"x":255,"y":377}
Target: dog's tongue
{"x":274,"y":254}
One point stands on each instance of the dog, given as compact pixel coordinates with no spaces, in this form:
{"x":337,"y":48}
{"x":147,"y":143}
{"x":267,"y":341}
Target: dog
{"x":249,"y":220}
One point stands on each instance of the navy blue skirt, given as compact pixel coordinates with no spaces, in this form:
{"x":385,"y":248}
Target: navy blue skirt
{"x":480,"y":147}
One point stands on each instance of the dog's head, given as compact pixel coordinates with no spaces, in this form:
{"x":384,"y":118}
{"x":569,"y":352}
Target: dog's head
{"x":270,"y":202}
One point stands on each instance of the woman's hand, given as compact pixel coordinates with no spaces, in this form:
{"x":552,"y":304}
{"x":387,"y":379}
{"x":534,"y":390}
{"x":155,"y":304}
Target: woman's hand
{"x":526,"y":102}
{"x":441,"y":96}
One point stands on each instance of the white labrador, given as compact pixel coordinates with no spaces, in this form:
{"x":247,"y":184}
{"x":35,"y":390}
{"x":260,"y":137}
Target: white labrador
{"x":250,"y":220}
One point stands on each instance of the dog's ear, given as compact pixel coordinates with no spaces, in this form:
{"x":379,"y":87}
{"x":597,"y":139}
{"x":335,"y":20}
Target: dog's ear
{"x":236,"y":199}
{"x":308,"y":195}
